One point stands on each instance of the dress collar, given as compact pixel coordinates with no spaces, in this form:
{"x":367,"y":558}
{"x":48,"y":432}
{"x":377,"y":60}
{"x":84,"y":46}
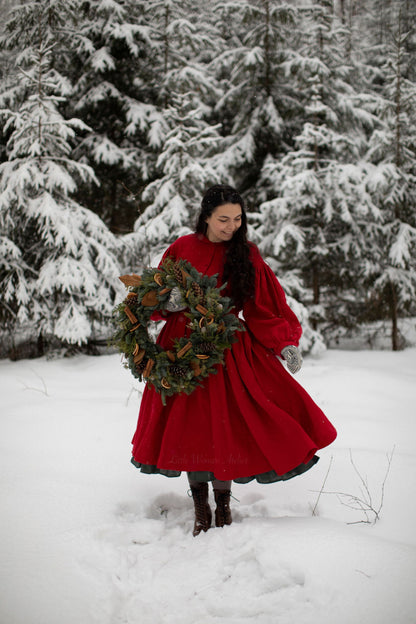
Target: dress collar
{"x":203,"y":239}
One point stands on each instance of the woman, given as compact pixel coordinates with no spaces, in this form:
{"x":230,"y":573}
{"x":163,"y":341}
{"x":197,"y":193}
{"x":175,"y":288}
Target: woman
{"x":251,"y":420}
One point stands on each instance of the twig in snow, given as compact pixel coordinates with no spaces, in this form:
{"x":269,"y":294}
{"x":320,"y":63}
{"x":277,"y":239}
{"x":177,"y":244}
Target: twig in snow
{"x":42,"y":391}
{"x":132,"y":390}
{"x":322,"y":488}
{"x":364,"y":502}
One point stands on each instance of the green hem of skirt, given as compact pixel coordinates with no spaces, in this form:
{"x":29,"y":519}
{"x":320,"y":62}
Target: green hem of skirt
{"x":265,"y":477}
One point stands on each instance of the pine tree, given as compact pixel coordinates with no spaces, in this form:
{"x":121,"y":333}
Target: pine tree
{"x":185,"y":42}
{"x":188,"y":134}
{"x":392,"y":271}
{"x":58,"y":272}
{"x":26,"y":28}
{"x":184,"y":164}
{"x":31,"y":23}
{"x":112,"y":70}
{"x":259,"y":104}
{"x":318,"y":215}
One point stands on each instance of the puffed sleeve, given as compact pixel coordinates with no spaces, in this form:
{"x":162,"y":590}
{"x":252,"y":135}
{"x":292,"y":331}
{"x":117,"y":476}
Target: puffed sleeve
{"x":267,"y":314}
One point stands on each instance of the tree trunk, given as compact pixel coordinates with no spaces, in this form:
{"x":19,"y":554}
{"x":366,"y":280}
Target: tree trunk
{"x":166,"y":51}
{"x":40,"y":345}
{"x":316,"y":289}
{"x":392,"y":297}
{"x":398,"y":96}
{"x":315,"y":284}
{"x":342,"y":11}
{"x":267,"y":51}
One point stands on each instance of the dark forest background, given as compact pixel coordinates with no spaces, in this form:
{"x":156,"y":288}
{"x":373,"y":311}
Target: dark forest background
{"x":117,"y":115}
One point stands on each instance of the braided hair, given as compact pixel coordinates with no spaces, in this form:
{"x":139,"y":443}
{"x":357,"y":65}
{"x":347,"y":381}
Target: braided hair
{"x":238,"y":269}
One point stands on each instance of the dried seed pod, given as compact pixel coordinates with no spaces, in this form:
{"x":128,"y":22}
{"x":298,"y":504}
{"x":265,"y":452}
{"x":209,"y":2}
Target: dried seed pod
{"x":150,"y":299}
{"x":131,"y":280}
{"x":202,"y":357}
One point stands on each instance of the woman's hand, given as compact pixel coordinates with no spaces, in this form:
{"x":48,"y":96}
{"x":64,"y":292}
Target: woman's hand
{"x":175,"y":303}
{"x":293,"y":358}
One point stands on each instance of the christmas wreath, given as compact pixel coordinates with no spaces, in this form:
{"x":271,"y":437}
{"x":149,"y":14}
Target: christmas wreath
{"x":193,"y":357}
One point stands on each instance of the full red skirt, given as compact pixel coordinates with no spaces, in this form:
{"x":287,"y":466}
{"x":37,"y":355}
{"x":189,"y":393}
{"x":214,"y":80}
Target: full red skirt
{"x":251,"y":419}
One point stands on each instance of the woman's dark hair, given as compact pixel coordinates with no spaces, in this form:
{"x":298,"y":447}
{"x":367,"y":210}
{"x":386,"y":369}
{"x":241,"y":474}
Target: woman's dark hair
{"x":238,"y":269}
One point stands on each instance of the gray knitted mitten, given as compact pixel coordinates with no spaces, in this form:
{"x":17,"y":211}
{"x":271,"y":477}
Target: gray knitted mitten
{"x":175,"y":302}
{"x":293,"y":358}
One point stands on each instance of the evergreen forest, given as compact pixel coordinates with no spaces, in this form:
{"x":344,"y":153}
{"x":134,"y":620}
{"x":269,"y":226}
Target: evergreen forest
{"x":116,"y":115}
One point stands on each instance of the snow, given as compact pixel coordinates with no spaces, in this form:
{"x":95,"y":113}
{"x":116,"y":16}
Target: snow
{"x":86,"y":538}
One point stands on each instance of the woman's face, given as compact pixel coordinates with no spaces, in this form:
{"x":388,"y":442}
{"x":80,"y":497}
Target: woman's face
{"x":223,"y":222}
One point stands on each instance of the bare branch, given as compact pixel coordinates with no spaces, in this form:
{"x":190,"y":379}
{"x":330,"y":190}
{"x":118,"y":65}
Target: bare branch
{"x":364,"y":502}
{"x":322,"y":487}
{"x":42,"y":391}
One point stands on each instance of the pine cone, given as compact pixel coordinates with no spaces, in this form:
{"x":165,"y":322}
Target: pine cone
{"x":177,"y":273}
{"x":132,"y":298}
{"x":177,"y":371}
{"x":141,"y":366}
{"x":198,"y":292}
{"x":206,"y":347}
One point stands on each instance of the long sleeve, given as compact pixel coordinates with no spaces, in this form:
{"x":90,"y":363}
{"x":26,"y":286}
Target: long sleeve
{"x":268,"y":316}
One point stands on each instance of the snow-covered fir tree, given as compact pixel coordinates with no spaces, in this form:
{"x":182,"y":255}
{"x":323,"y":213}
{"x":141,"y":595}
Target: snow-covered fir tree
{"x":29,"y":24}
{"x":58,"y":268}
{"x":112,"y":69}
{"x":258,"y":99}
{"x":319,"y":216}
{"x":305,"y":105}
{"x":185,"y":41}
{"x":27,"y":27}
{"x":188,"y":135}
{"x":175,"y":196}
{"x":391,"y":267}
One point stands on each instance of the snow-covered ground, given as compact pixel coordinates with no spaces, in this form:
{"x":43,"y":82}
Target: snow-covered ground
{"x":85,"y":538}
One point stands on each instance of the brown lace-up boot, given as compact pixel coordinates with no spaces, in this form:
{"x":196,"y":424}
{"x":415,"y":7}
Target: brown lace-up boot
{"x":203,"y":513}
{"x":223,"y":511}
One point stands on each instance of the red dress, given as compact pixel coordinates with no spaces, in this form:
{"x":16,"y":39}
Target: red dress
{"x":251,"y":419}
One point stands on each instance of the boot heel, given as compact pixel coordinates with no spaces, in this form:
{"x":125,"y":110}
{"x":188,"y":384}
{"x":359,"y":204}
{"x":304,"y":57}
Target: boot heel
{"x":223,"y":512}
{"x":203,"y":513}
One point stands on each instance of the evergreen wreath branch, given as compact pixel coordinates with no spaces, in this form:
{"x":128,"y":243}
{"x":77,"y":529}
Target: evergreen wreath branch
{"x":193,"y":357}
